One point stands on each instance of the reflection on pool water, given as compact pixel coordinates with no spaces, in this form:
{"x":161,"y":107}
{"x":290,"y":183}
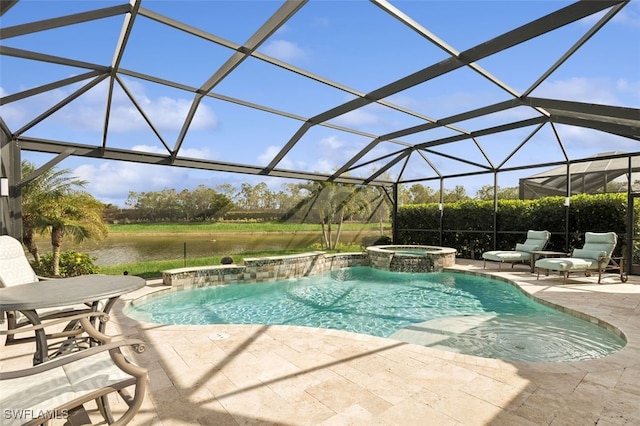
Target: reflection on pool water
{"x":456,"y":312}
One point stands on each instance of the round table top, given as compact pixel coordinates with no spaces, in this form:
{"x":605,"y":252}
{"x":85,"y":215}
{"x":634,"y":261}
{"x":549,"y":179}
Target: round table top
{"x":66,"y":291}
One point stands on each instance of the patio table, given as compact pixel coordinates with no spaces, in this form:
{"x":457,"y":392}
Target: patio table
{"x":61,"y":292}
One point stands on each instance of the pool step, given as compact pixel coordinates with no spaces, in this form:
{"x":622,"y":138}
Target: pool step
{"x":432,"y":332}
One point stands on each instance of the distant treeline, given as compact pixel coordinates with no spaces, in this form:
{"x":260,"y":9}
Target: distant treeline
{"x":301,"y":203}
{"x":118,"y":215}
{"x":259,"y":203}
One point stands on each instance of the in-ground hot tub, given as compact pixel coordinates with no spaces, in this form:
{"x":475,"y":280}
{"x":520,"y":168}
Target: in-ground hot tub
{"x":411,"y":258}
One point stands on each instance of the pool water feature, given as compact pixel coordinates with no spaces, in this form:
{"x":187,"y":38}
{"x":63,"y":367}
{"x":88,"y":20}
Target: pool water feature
{"x":457,"y":312}
{"x":411,"y":258}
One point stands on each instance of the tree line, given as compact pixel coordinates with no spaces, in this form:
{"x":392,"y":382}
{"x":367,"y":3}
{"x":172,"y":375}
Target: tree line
{"x":259,"y":202}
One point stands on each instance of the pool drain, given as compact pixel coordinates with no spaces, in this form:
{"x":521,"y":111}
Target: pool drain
{"x":219,"y":336}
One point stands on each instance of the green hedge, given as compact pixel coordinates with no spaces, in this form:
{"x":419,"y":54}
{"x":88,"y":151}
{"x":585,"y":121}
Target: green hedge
{"x":468,"y":225}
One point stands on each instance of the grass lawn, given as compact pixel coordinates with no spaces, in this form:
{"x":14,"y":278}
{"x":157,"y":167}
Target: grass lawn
{"x":135,"y":228}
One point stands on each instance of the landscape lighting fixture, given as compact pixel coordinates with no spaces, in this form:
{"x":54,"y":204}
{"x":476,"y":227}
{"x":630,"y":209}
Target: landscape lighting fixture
{"x":4,"y":187}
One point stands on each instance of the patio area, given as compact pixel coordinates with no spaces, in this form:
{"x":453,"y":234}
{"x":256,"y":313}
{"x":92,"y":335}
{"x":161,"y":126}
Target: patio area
{"x":285,"y":375}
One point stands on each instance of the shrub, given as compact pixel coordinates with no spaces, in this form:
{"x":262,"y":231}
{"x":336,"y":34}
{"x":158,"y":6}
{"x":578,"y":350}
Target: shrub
{"x":383,"y":241}
{"x":375,"y":240}
{"x":468,"y":225}
{"x":72,"y":264}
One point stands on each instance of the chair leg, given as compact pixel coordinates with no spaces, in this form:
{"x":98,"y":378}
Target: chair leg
{"x":78,"y":416}
{"x":105,"y":409}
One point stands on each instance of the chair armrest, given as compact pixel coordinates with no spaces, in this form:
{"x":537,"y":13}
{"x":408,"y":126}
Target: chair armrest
{"x":41,"y":278}
{"x":113,"y":347}
{"x":82,"y":317}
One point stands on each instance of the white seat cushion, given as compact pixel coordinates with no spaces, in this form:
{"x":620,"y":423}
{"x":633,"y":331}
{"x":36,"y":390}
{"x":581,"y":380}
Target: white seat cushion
{"x":506,"y":255}
{"x":14,"y":267}
{"x":566,"y":264}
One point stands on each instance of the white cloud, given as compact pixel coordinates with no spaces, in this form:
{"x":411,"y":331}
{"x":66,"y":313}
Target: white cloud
{"x":599,"y":90}
{"x":114,"y":180}
{"x":359,"y":117}
{"x":331,"y":154}
{"x":286,"y":163}
{"x":88,"y":111}
{"x":111,"y":181}
{"x":324,"y":165}
{"x":592,"y":141}
{"x":577,"y":88}
{"x":199,"y":153}
{"x":630,"y":87}
{"x":148,"y":148}
{"x":169,"y":114}
{"x":266,"y":157}
{"x":284,"y":50}
{"x":331,"y":142}
{"x":13,"y":114}
{"x":630,"y":15}
{"x":166,"y":113}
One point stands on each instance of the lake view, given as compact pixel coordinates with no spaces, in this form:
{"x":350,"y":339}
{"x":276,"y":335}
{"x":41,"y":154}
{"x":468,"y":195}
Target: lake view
{"x":120,"y":248}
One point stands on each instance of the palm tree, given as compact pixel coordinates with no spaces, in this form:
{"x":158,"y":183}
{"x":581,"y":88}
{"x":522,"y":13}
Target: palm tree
{"x":37,"y":195}
{"x":54,"y":203}
{"x":78,"y":215}
{"x":334,"y":202}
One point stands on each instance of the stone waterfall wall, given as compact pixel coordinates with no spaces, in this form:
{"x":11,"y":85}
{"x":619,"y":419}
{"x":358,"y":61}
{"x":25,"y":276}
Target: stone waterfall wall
{"x":262,"y":269}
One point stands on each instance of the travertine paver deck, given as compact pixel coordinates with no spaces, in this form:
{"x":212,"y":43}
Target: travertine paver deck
{"x":253,"y":374}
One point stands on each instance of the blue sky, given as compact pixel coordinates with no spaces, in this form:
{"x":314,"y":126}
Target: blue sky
{"x":354,"y":43}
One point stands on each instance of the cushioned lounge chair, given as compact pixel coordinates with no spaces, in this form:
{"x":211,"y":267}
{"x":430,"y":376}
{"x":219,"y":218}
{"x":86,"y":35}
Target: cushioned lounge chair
{"x":58,"y":388}
{"x":595,"y":255}
{"x":536,"y":240}
{"x":16,"y":270}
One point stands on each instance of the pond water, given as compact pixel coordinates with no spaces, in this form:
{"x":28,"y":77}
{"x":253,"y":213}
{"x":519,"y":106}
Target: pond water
{"x":119,"y":249}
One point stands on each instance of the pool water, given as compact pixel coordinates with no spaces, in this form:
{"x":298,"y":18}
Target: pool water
{"x":407,"y":252}
{"x":457,"y":312}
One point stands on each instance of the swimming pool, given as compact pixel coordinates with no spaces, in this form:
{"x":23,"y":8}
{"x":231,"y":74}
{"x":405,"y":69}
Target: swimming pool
{"x":457,"y":312}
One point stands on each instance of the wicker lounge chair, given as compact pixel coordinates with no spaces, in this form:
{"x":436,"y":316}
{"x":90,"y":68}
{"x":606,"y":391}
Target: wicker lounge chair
{"x":595,"y":255}
{"x":536,"y":240}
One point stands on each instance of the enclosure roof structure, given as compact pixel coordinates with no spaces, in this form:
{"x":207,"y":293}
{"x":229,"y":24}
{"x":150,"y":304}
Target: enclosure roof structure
{"x":586,"y":177}
{"x":155,"y":82}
